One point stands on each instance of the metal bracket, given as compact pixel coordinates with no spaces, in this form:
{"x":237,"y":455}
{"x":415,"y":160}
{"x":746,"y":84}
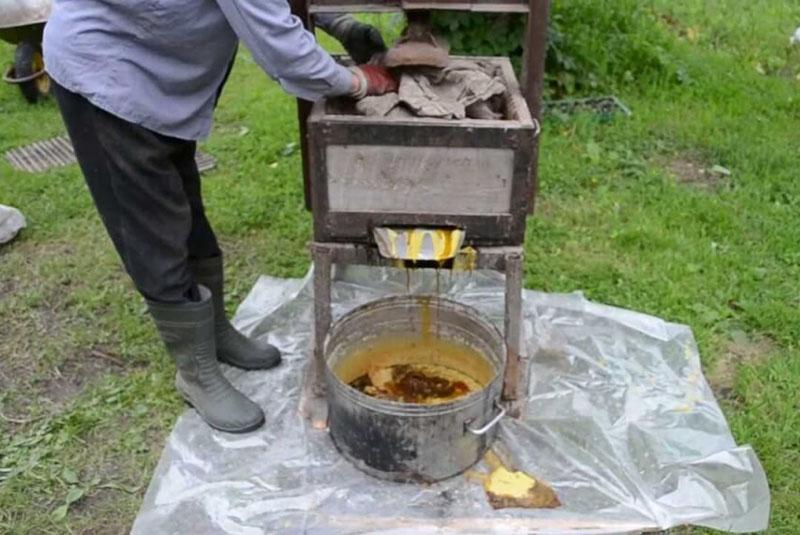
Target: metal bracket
{"x":490,"y":424}
{"x":10,"y":77}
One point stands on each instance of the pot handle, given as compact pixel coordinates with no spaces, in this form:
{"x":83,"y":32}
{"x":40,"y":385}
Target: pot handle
{"x":489,"y":425}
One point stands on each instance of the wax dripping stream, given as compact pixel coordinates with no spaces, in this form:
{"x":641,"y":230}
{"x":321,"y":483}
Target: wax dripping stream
{"x":422,"y":367}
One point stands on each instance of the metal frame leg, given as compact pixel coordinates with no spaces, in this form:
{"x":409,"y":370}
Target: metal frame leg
{"x":515,"y":380}
{"x":322,"y":314}
{"x":314,"y":404}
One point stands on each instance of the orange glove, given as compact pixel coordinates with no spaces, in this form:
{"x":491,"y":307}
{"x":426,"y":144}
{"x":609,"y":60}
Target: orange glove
{"x":373,"y":80}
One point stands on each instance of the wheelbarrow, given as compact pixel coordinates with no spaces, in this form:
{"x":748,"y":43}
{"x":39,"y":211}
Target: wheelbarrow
{"x":22,"y":23}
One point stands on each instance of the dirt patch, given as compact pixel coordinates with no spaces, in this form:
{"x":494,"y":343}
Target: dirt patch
{"x":48,"y":389}
{"x":101,"y":503}
{"x":67,"y":381}
{"x":740,"y":351}
{"x":7,"y":287}
{"x":47,"y":358}
{"x":115,"y":503}
{"x":691,"y":171}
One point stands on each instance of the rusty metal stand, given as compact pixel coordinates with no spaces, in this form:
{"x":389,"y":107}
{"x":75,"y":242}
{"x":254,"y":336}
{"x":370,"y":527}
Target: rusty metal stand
{"x":313,"y":401}
{"x":508,"y":260}
{"x":515,"y":386}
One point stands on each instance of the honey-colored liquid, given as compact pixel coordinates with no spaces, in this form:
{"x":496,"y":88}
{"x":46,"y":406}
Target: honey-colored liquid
{"x":419,"y":367}
{"x":415,"y":383}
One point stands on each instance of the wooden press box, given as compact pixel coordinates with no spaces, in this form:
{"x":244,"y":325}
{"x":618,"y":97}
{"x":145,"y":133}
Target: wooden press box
{"x":477,"y":175}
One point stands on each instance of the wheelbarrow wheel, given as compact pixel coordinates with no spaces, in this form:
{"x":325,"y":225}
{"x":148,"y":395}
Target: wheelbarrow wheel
{"x":28,"y":60}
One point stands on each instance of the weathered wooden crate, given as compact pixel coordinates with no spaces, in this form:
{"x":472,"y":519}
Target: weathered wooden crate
{"x":476,"y":175}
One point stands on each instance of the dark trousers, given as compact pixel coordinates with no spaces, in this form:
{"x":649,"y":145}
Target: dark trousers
{"x":146,"y":187}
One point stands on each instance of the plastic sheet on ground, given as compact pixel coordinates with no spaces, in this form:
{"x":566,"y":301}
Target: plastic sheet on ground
{"x":11,"y":222}
{"x":620,"y":422}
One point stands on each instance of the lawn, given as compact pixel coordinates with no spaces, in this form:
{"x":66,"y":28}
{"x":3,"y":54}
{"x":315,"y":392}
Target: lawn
{"x":688,"y":210}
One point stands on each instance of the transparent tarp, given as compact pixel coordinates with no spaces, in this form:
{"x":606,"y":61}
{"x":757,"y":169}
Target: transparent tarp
{"x":620,"y":422}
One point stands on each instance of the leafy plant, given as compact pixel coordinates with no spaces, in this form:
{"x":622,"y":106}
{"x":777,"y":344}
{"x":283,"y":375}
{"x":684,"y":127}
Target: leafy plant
{"x":592,"y":45}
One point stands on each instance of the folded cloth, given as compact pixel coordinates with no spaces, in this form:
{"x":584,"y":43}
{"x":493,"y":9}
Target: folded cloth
{"x":482,"y":110}
{"x":465,"y":88}
{"x":379,"y":106}
{"x":447,"y":93}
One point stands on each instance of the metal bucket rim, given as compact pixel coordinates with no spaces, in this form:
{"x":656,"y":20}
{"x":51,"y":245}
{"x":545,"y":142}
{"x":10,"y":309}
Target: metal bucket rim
{"x":417,"y":409}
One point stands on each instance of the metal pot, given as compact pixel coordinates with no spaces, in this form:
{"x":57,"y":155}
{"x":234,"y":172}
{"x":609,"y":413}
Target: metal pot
{"x":406,"y":441}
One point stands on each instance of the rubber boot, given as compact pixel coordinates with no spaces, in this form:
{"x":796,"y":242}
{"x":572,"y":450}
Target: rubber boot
{"x":187,"y":331}
{"x":233,"y":347}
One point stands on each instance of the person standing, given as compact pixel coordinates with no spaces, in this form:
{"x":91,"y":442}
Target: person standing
{"x":137,"y":84}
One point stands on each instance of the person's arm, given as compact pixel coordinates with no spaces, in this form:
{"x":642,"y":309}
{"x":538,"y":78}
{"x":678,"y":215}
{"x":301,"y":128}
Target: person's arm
{"x":286,"y":51}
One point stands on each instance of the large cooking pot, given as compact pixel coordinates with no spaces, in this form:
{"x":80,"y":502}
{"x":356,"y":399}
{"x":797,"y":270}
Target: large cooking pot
{"x":407,"y":441}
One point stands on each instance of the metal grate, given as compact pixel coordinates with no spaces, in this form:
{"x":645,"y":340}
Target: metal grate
{"x":42,"y":155}
{"x":205,"y":162}
{"x":57,"y":152}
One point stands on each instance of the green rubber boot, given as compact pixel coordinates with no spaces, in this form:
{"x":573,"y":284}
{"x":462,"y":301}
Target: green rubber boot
{"x":187,"y":331}
{"x":233,"y":347}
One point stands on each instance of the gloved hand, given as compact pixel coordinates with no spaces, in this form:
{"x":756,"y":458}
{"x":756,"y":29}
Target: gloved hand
{"x":373,"y":80}
{"x":361,"y":41}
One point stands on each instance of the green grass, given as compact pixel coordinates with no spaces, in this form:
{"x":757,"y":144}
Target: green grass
{"x":721,"y":256}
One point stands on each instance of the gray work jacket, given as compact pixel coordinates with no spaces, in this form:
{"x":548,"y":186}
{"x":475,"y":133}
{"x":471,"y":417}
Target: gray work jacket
{"x":159,"y":63}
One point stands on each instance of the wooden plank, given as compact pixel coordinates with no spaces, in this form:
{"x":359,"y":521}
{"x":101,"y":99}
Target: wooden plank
{"x":300,"y":9}
{"x":533,"y":76}
{"x":463,"y":523}
{"x":491,"y":258}
{"x":535,"y":53}
{"x":480,"y":230}
{"x":419,"y":180}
